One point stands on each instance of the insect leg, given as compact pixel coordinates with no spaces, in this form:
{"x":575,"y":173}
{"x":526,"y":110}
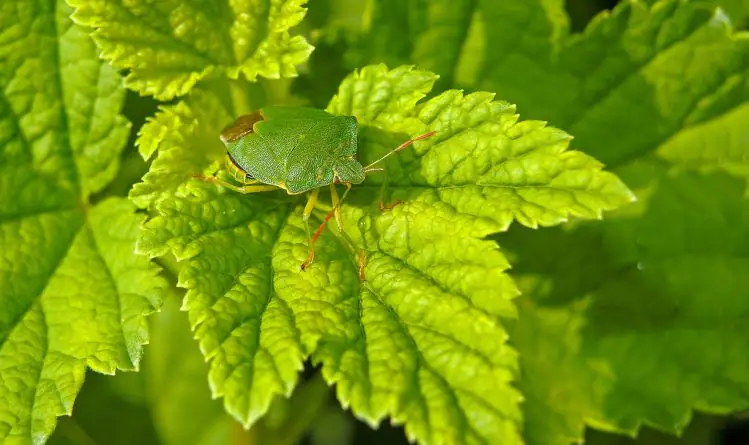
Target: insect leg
{"x":256,"y":188}
{"x":384,"y":207}
{"x":243,"y":189}
{"x":318,"y":232}
{"x":247,"y":181}
{"x":335,"y":200}
{"x":239,"y":177}
{"x":238,"y":173}
{"x":362,"y":263}
{"x":311,"y":201}
{"x":242,"y":178}
{"x":383,"y":191}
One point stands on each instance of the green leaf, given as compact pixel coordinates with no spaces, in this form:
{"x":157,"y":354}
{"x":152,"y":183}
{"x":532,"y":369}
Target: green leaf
{"x":394,"y":32}
{"x":73,"y":295}
{"x":207,"y":108}
{"x":439,"y":24}
{"x":176,"y":162}
{"x":408,"y":32}
{"x":421,"y":340}
{"x":87,"y":309}
{"x":482,"y":160}
{"x":737,"y":10}
{"x":703,"y":430}
{"x":175,"y":372}
{"x":523,"y":47}
{"x":169,"y":47}
{"x":181,"y":404}
{"x":682,"y":62}
{"x":622,"y":320}
{"x":647,"y":324}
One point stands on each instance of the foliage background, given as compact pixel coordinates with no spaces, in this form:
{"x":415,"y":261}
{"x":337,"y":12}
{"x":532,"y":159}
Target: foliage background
{"x":142,"y":407}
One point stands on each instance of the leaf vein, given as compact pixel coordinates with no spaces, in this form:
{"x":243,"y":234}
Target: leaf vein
{"x":425,"y":364}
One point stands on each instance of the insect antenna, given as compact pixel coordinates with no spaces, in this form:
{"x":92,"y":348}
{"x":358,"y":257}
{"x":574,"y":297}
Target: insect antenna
{"x":397,"y":149}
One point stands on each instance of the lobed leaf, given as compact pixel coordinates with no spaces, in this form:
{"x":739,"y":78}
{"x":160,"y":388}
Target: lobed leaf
{"x":665,"y":81}
{"x":439,"y":24}
{"x":176,"y":162}
{"x":737,"y":10}
{"x":88,"y":310}
{"x":421,"y":340}
{"x":658,"y":92}
{"x":195,"y":147}
{"x":393,"y":32}
{"x":73,"y":295}
{"x":676,"y":63}
{"x":425,"y":344}
{"x":518,"y":53}
{"x":482,"y":161}
{"x":647,"y":324}
{"x":255,"y":314}
{"x":245,"y":329}
{"x":701,"y":430}
{"x":213,"y":231}
{"x":168,"y":47}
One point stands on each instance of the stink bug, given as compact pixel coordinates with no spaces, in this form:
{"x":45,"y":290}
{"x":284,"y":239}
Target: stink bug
{"x":299,"y":150}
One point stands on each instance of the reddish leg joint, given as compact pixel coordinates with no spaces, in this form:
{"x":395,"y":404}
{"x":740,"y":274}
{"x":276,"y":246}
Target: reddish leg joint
{"x":362,"y":259}
{"x":383,"y":207}
{"x":424,"y":136}
{"x":317,"y":234}
{"x":410,"y":142}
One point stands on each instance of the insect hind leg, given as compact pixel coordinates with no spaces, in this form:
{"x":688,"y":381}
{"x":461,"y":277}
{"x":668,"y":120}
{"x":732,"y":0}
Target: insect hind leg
{"x":335,"y":200}
{"x":308,"y":208}
{"x":321,"y":227}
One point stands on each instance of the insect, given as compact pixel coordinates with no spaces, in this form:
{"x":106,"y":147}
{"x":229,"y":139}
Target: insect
{"x":299,"y":150}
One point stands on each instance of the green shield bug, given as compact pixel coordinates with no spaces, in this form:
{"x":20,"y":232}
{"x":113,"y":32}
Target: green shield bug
{"x":299,"y":150}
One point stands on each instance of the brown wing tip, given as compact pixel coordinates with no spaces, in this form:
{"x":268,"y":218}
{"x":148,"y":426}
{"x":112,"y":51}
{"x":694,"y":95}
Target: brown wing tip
{"x":242,"y":126}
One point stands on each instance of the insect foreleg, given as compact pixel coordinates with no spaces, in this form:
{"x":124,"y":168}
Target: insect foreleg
{"x":245,"y":180}
{"x":238,"y":174}
{"x":256,"y":188}
{"x":241,"y":177}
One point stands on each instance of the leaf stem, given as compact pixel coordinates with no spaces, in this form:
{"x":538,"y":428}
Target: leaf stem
{"x":238,"y":90}
{"x":304,"y":406}
{"x":70,"y":429}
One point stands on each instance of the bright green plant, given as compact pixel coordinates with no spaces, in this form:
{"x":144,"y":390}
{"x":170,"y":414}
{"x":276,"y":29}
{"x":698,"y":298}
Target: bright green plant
{"x":634,"y":320}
